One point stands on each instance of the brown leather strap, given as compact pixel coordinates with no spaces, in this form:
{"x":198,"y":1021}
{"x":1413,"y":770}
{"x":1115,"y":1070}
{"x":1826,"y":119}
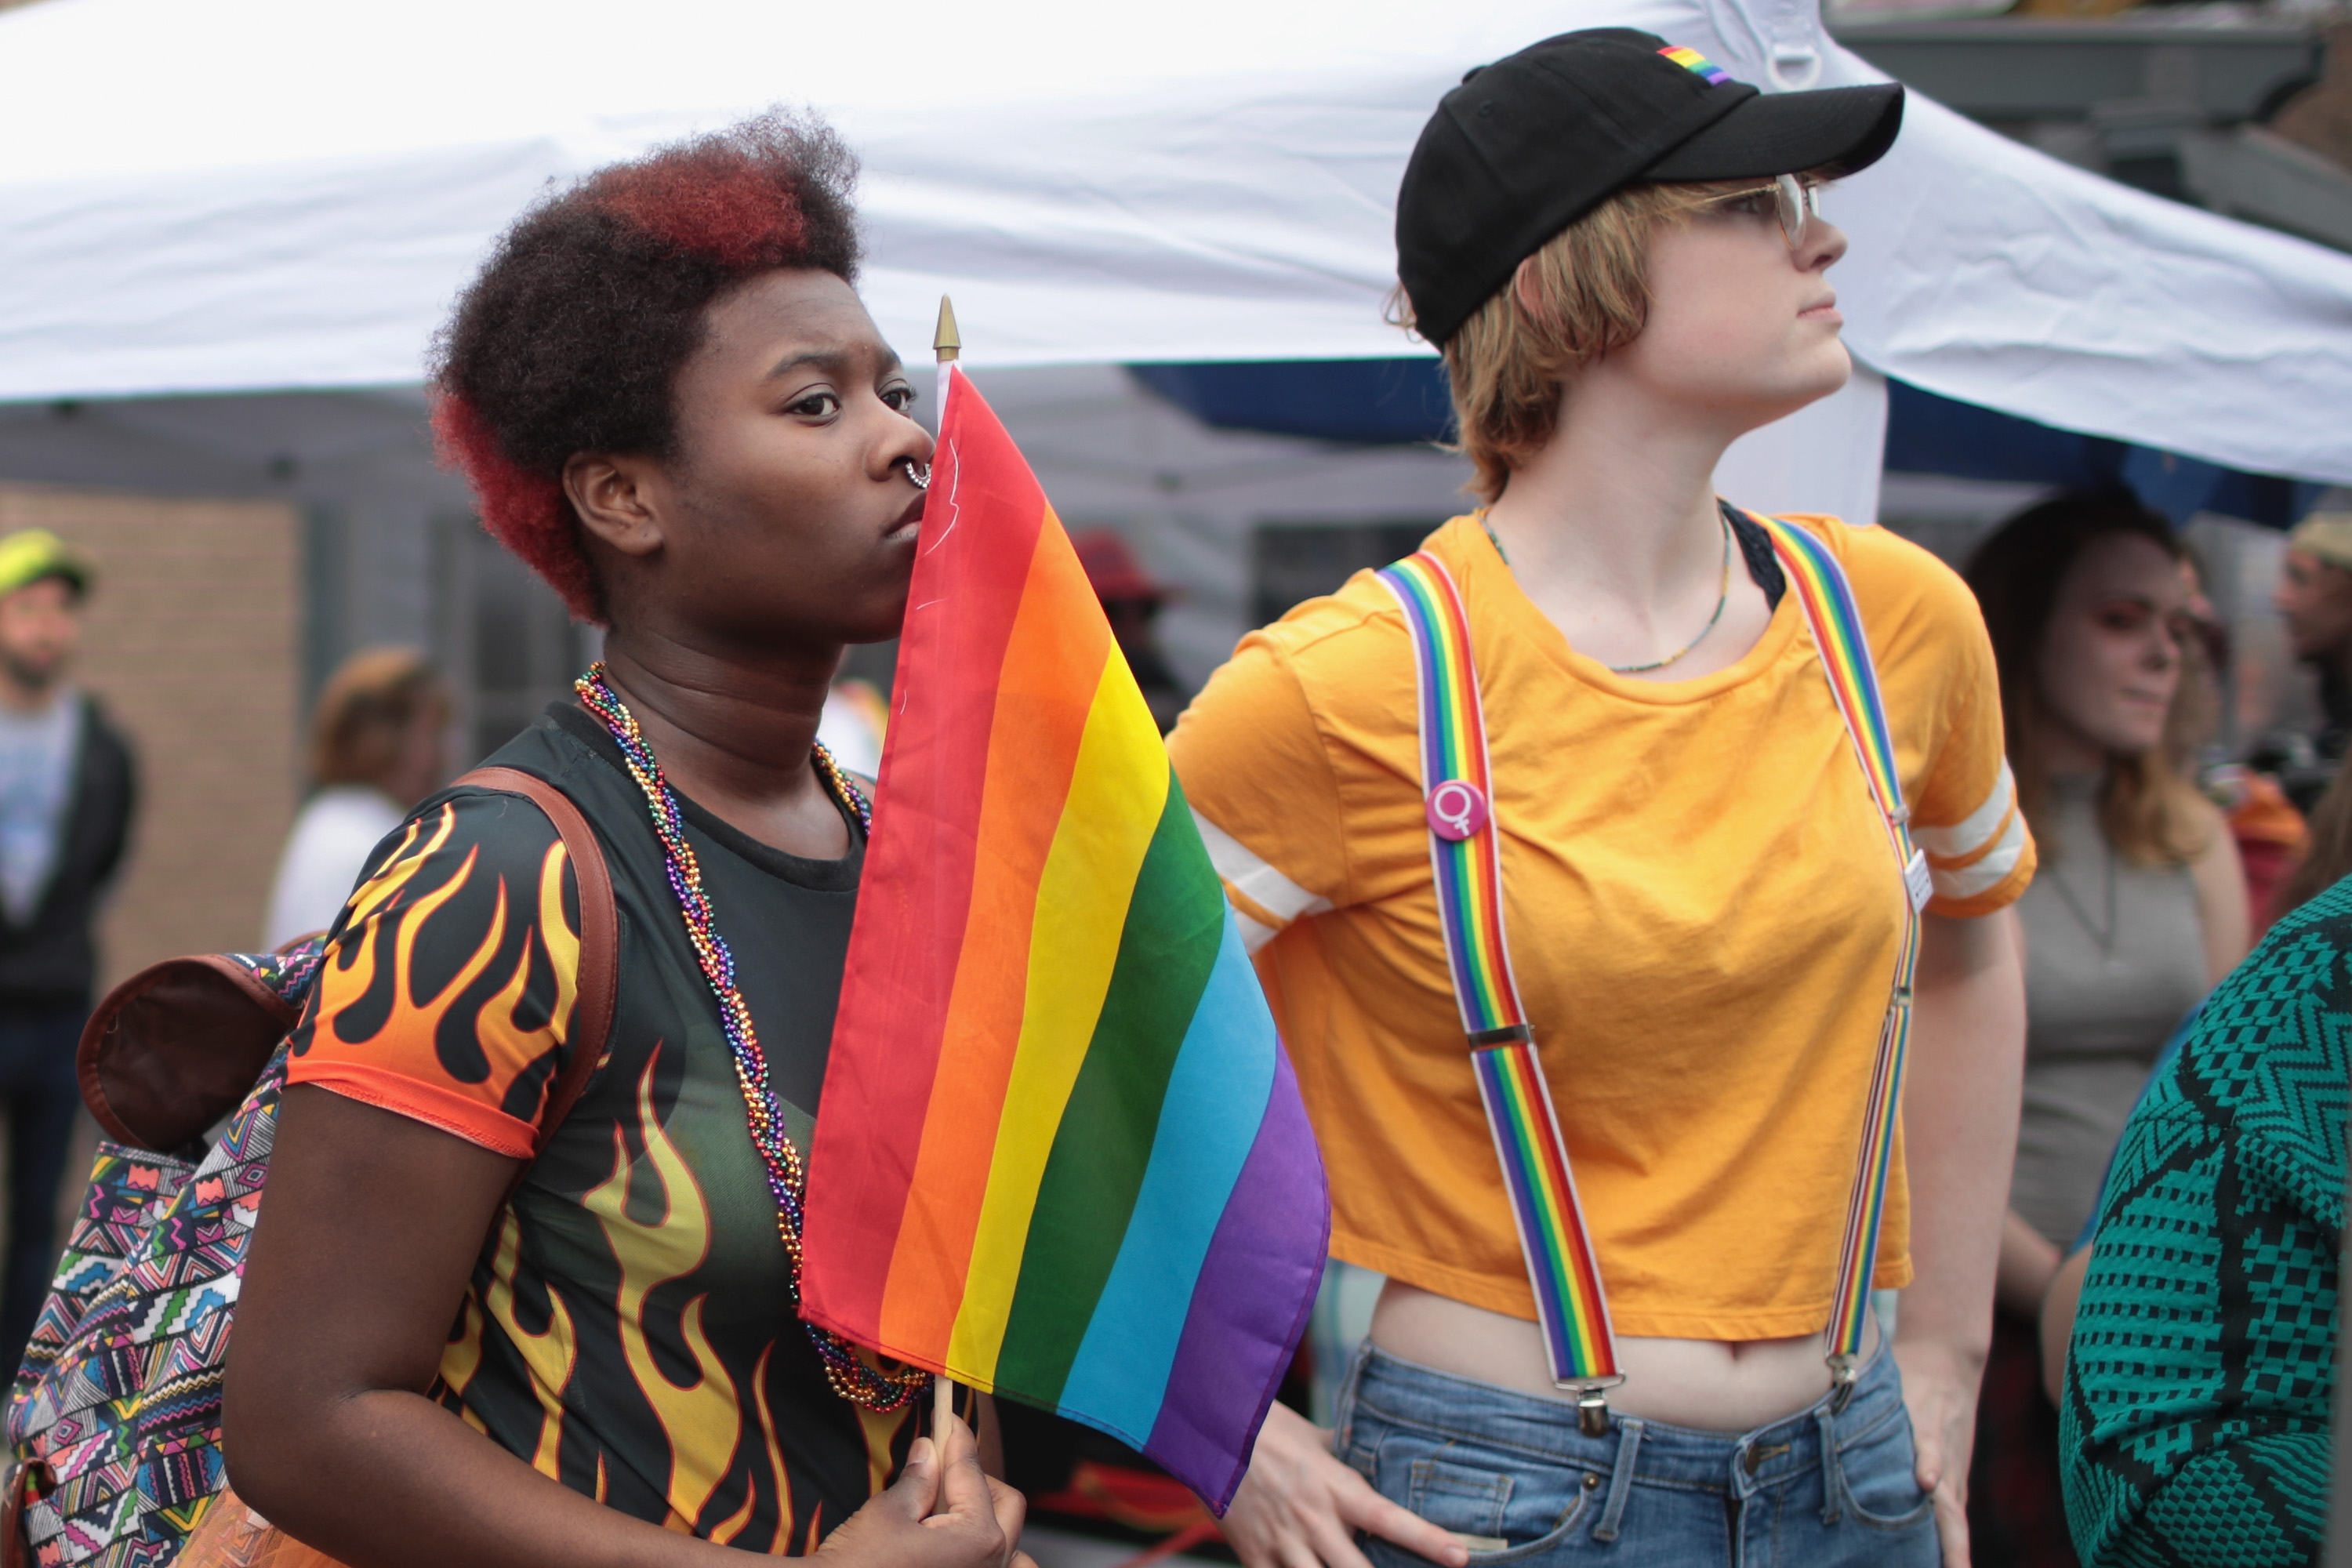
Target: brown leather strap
{"x":600,"y":938}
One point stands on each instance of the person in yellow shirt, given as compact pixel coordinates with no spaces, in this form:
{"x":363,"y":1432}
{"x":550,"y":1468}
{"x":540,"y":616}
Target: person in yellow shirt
{"x":1619,"y":250}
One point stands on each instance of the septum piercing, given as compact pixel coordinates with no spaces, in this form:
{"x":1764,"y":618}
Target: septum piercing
{"x":922,"y":482}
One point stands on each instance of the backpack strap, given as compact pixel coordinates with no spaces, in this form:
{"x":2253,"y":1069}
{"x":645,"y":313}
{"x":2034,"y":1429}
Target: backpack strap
{"x":598,"y":980}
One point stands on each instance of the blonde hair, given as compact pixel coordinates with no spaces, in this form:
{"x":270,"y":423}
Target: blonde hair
{"x":1586,"y":290}
{"x":365,"y":712}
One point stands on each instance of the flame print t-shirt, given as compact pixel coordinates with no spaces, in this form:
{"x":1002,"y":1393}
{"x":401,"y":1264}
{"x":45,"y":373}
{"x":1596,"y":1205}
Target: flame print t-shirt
{"x":628,"y":1328}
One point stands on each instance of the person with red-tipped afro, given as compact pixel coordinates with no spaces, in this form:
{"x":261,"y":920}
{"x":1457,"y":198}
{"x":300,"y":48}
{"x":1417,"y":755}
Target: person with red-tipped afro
{"x":480,"y":1325}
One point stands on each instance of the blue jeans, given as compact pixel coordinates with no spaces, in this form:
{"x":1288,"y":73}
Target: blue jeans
{"x":1512,"y":1472}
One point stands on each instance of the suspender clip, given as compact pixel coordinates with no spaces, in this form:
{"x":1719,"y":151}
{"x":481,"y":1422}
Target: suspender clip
{"x":1844,"y":1373}
{"x":1509,"y":1034}
{"x":1918,"y":880}
{"x":1592,"y":1410}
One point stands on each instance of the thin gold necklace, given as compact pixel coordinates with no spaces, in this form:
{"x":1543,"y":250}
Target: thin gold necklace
{"x":1722,"y":597}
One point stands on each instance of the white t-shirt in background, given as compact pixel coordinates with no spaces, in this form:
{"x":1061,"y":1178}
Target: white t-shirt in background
{"x":323,"y":857}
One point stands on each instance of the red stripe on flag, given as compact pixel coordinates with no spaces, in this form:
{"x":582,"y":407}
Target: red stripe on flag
{"x":978,"y":534}
{"x":1052,"y":667}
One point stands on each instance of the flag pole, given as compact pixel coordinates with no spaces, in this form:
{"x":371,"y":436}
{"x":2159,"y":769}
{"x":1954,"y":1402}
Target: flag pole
{"x":947,"y":346}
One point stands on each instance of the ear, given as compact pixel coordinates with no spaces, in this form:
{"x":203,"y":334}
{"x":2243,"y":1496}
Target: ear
{"x":1527,"y":292}
{"x":615,"y":498}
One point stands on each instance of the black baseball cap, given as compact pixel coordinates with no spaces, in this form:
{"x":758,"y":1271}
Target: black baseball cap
{"x":1527,"y":145}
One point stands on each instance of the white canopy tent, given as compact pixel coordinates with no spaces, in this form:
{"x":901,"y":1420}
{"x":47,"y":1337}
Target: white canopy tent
{"x":268,"y":195}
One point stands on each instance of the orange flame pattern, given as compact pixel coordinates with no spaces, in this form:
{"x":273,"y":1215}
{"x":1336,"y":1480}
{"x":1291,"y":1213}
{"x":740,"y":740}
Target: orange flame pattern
{"x":372,"y":1035}
{"x":703,"y":1419}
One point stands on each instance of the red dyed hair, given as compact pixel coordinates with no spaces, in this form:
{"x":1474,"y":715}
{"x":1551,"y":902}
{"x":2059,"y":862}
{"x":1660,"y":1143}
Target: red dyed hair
{"x":571,"y":338}
{"x":704,"y":202}
{"x":527,"y":512}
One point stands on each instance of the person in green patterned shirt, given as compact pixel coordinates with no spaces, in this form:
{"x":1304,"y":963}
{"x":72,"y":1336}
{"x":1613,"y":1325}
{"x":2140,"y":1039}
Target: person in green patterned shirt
{"x":2194,"y":1426}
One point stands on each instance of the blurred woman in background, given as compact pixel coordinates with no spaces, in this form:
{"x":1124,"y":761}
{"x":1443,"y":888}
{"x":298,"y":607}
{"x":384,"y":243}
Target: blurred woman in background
{"x":378,"y":745}
{"x":2140,"y":906}
{"x":2267,"y":828}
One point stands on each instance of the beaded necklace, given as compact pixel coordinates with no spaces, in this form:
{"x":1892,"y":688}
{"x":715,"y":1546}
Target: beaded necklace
{"x":851,"y":1376}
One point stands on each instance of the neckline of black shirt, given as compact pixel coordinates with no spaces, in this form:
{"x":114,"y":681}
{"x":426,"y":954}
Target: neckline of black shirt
{"x":1756,"y":549}
{"x":836,"y":876}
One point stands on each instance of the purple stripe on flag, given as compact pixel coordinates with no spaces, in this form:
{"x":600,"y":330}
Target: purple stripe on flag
{"x":1249,"y":1304}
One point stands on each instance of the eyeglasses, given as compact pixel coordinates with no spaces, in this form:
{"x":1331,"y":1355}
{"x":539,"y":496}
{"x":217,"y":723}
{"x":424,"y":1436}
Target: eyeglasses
{"x":1795,"y":202}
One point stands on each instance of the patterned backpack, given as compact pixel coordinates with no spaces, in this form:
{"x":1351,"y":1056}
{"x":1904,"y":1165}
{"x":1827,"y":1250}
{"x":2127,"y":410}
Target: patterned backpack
{"x":113,"y":1425}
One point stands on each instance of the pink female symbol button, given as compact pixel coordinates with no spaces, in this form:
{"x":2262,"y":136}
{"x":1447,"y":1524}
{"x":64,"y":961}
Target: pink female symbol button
{"x":1455,"y":809}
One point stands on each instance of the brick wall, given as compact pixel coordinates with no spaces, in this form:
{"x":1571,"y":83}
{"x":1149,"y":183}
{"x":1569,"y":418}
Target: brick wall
{"x":194,"y":644}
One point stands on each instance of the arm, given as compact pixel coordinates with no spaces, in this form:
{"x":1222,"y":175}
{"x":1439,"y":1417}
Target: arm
{"x":2027,"y":1260}
{"x":2057,"y":1323}
{"x":1967,"y":1062}
{"x":2197,"y":1408}
{"x":2220,"y":879}
{"x":357,"y":1265}
{"x":2028,"y":1263}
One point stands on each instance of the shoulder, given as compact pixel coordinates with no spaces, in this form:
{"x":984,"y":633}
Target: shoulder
{"x":2277,"y":998}
{"x":101,"y":738}
{"x":2271,"y":1053}
{"x":1317,"y":666}
{"x":1360,"y":620}
{"x":468,"y":856}
{"x":1352,"y":651}
{"x":1331,"y":680}
{"x":1896,"y":585}
{"x":1312,"y":716}
{"x":445,"y":993}
{"x":1927,"y":638}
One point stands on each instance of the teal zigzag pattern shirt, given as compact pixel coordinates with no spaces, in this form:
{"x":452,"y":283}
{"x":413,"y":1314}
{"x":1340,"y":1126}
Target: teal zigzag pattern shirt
{"x":2194,"y":1428}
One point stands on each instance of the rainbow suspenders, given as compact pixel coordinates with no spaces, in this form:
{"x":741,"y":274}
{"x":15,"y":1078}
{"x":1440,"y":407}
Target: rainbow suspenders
{"x":1466,"y":855}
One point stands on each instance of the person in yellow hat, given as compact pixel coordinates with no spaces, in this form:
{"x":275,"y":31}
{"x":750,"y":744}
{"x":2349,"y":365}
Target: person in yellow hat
{"x":66,"y":790}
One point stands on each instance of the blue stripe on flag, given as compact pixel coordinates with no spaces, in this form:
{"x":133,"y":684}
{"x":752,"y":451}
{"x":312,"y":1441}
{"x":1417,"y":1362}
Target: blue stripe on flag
{"x":1216,"y":1099}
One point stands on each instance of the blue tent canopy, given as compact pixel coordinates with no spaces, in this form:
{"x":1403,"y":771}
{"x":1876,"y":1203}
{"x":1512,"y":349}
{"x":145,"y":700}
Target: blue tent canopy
{"x":1384,"y":402}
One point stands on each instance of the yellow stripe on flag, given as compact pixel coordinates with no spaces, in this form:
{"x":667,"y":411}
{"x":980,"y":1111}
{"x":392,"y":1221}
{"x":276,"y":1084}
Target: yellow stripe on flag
{"x":1117,"y":793}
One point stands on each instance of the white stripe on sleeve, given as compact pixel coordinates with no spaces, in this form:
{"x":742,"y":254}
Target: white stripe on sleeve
{"x":1255,"y":881}
{"x":1982,"y":875}
{"x":1970,"y":835}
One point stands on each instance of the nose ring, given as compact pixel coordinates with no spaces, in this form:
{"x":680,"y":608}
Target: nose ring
{"x":921,"y":480}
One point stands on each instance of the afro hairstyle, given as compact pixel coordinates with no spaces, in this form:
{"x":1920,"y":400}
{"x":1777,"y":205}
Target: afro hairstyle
{"x":571,"y":338}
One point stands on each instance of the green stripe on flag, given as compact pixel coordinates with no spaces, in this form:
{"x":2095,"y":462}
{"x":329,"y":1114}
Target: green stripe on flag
{"x":1174,"y":923}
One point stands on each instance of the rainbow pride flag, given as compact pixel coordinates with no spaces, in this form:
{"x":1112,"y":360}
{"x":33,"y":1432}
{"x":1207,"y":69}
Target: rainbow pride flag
{"x":1062,"y":1157}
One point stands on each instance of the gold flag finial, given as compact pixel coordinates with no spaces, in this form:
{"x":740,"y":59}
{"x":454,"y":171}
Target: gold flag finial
{"x":944,"y":341}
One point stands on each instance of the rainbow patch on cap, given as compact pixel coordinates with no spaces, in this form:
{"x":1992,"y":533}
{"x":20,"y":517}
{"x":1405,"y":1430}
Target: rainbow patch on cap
{"x":1697,"y":65}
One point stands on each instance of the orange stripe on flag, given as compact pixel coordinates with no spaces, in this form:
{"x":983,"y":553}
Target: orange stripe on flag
{"x":1053,"y":663}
